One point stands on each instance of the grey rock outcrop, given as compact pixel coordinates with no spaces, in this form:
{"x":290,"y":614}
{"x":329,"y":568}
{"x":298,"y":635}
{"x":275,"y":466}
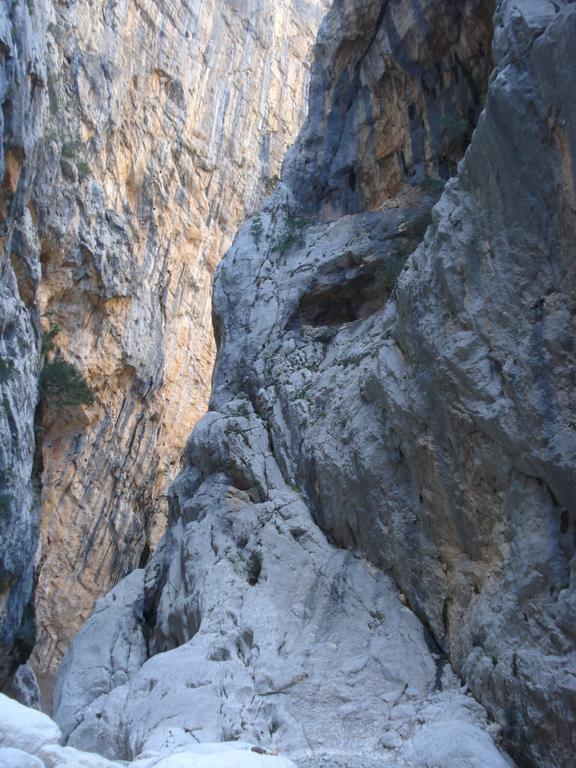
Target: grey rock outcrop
{"x":22,"y":79}
{"x":284,"y":641}
{"x":391,"y":430}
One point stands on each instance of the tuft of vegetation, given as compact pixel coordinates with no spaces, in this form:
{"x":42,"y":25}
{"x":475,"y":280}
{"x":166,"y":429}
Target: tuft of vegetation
{"x":253,"y":567}
{"x":62,"y":385}
{"x":70,"y":149}
{"x":270,"y":183}
{"x":48,"y":338}
{"x":74,"y":152}
{"x":293,"y":236}
{"x":6,"y":369}
{"x":256,"y":230}
{"x":454,"y":126}
{"x":83,"y":169}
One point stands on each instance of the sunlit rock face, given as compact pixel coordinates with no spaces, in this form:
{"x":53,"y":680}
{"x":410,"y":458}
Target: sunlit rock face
{"x":140,"y":135}
{"x":383,"y":489}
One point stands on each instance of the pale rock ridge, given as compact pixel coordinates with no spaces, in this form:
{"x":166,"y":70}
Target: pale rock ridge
{"x":391,"y":407}
{"x":137,"y":136}
{"x":285,"y":642}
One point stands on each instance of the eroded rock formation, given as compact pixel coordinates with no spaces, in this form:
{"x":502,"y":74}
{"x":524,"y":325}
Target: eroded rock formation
{"x":390,"y":433}
{"x":146,"y":132}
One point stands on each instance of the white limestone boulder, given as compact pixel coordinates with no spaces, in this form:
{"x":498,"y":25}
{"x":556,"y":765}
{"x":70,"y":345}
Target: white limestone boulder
{"x":55,"y":756}
{"x":24,"y":728}
{"x":16,"y":758}
{"x":217,"y":755}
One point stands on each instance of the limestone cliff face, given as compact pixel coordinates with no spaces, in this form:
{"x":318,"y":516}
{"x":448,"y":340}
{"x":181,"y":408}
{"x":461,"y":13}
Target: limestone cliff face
{"x":393,"y":395}
{"x":155,"y":127}
{"x":22,"y":78}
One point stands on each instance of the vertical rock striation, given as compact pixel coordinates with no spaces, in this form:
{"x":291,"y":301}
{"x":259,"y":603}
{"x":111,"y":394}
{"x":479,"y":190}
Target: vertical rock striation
{"x":174,"y":116}
{"x":392,"y":403}
{"x":22,"y":80}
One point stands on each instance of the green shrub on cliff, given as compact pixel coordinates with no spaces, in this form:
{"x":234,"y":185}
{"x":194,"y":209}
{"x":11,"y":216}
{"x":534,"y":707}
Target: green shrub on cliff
{"x":62,"y":385}
{"x":48,"y":338}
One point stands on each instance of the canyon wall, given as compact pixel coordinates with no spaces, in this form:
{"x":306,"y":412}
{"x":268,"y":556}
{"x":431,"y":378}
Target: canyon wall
{"x":147,"y":131}
{"x":22,"y":77}
{"x":390,"y":434}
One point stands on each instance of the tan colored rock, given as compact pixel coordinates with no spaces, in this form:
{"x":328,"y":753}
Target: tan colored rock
{"x":164,"y":122}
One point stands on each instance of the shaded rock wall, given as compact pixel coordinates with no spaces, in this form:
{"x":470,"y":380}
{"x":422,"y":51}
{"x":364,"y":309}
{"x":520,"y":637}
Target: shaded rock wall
{"x":396,"y":93}
{"x":154,"y":129}
{"x":22,"y":79}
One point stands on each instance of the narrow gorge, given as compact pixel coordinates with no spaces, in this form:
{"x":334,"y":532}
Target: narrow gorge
{"x":364,"y":554}
{"x":138,"y":136}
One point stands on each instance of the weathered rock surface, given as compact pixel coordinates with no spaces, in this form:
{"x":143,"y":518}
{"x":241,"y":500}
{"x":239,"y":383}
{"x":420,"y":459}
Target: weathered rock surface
{"x":294,"y":644}
{"x":24,"y":728}
{"x":369,"y":431}
{"x":180,"y":112}
{"x":23,"y":686}
{"x":22,"y":75}
{"x":30,"y":739}
{"x":136,"y":138}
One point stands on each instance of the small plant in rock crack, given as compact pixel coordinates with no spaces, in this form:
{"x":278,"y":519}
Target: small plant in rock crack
{"x":244,"y":411}
{"x":253,"y":567}
{"x":48,"y":338}
{"x":71,"y":149}
{"x":270,"y":183}
{"x":74,"y":151}
{"x":293,"y":235}
{"x":256,"y":230}
{"x":61,"y":384}
{"x":6,"y":369}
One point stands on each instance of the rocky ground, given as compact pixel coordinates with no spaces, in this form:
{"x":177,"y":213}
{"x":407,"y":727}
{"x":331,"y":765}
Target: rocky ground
{"x":29,"y":739}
